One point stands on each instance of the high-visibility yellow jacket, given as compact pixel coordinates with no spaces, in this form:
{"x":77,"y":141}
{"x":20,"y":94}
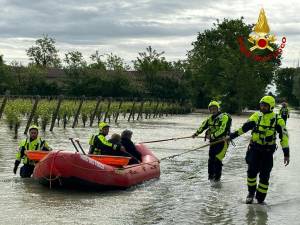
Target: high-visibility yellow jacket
{"x":218,"y":125}
{"x":264,"y":129}
{"x":31,"y":145}
{"x":99,"y":142}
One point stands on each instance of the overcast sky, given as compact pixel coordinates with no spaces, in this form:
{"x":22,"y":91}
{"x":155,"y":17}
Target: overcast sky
{"x":128,"y":27}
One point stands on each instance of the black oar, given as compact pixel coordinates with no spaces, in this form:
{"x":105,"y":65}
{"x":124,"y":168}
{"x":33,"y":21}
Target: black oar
{"x":78,"y":142}
{"x":71,"y":139}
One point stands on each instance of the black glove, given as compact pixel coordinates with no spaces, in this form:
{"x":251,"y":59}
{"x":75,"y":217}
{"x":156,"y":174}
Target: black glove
{"x":286,"y":152}
{"x":233,"y":135}
{"x":17,"y":163}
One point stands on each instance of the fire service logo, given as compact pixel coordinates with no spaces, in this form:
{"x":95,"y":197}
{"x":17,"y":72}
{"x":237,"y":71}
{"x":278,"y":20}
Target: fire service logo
{"x":260,"y":39}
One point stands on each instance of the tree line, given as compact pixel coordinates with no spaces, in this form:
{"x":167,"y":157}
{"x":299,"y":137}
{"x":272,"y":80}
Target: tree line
{"x":214,"y":68}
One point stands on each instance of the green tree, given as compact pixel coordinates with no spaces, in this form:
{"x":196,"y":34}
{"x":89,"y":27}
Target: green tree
{"x":74,"y":59}
{"x":223,"y":73}
{"x":97,"y":62}
{"x":284,"y":79}
{"x":149,"y":64}
{"x":5,"y":81}
{"x":76,"y":73}
{"x":44,"y":53}
{"x":116,"y":63}
{"x":151,"y":61}
{"x":296,"y":87}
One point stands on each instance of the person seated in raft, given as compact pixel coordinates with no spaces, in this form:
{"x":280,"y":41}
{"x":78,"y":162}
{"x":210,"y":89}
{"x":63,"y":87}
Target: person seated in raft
{"x":129,"y":145}
{"x":115,"y":139}
{"x":33,"y":143}
{"x":99,"y":145}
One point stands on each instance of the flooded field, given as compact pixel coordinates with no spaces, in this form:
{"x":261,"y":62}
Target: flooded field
{"x":182,"y":195}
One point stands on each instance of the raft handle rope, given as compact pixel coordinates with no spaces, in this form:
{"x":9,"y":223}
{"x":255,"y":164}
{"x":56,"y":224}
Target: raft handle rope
{"x":51,"y":169}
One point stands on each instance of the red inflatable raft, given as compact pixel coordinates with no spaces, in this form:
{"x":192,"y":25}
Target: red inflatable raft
{"x":65,"y":168}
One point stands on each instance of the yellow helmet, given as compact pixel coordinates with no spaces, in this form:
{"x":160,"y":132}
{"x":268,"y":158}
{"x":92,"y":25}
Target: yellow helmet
{"x":214,"y":103}
{"x":268,"y":100}
{"x":102,"y":125}
{"x":33,"y":127}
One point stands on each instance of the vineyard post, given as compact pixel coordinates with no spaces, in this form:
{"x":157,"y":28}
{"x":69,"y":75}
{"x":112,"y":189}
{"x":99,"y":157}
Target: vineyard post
{"x":3,"y":104}
{"x":78,"y":111}
{"x":107,"y":110}
{"x":155,"y":110}
{"x":37,"y":98}
{"x":168,"y":108}
{"x":147,"y":113}
{"x":95,"y":111}
{"x":160,"y":114}
{"x":140,"y":111}
{"x":118,"y":111}
{"x":55,"y":113}
{"x":177,"y":108}
{"x":132,"y":110}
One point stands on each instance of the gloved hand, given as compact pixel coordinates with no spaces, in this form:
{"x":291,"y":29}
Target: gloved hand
{"x":194,"y":135}
{"x":286,"y":152}
{"x":286,"y":160}
{"x":208,"y":135}
{"x":17,"y":163}
{"x":233,"y":135}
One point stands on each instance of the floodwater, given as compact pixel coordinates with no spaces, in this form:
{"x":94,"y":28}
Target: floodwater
{"x":182,"y":195}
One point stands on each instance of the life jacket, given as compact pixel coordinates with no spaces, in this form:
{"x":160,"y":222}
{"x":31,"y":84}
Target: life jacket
{"x":103,"y":142}
{"x":37,"y":144}
{"x":284,"y":112}
{"x":214,"y":124}
{"x":264,"y":133}
{"x":95,"y":150}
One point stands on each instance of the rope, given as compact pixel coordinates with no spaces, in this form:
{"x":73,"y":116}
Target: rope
{"x":51,"y":169}
{"x":169,"y":139}
{"x":195,"y":149}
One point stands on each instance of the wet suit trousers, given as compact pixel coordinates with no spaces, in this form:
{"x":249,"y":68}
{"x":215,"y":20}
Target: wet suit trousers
{"x":216,"y":155}
{"x":260,"y":161}
{"x":26,"y":170}
{"x":284,"y":118}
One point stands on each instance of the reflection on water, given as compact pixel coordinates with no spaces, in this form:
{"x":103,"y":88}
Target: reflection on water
{"x":257,"y":214}
{"x":182,"y":195}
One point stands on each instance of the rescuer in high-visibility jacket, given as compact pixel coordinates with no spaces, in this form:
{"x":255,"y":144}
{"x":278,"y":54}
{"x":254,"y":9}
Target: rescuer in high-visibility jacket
{"x":99,"y":145}
{"x":264,"y":125}
{"x":33,"y":143}
{"x":284,"y":112}
{"x":218,"y":127}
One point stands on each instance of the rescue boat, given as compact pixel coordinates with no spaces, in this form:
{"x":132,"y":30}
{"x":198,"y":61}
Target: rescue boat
{"x":74,"y":169}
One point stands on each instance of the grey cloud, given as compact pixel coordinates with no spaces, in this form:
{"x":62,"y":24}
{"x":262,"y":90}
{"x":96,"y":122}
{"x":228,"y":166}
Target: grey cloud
{"x":91,"y":20}
{"x":117,"y":24}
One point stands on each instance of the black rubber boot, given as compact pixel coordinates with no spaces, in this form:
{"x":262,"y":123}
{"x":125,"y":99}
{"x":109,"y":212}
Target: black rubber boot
{"x":249,"y":199}
{"x":260,"y":197}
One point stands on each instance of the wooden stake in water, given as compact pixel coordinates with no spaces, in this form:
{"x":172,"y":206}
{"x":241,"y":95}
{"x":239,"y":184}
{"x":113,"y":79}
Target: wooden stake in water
{"x":95,"y":111}
{"x":32,"y":113}
{"x":54,"y":116}
{"x":78,"y":112}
